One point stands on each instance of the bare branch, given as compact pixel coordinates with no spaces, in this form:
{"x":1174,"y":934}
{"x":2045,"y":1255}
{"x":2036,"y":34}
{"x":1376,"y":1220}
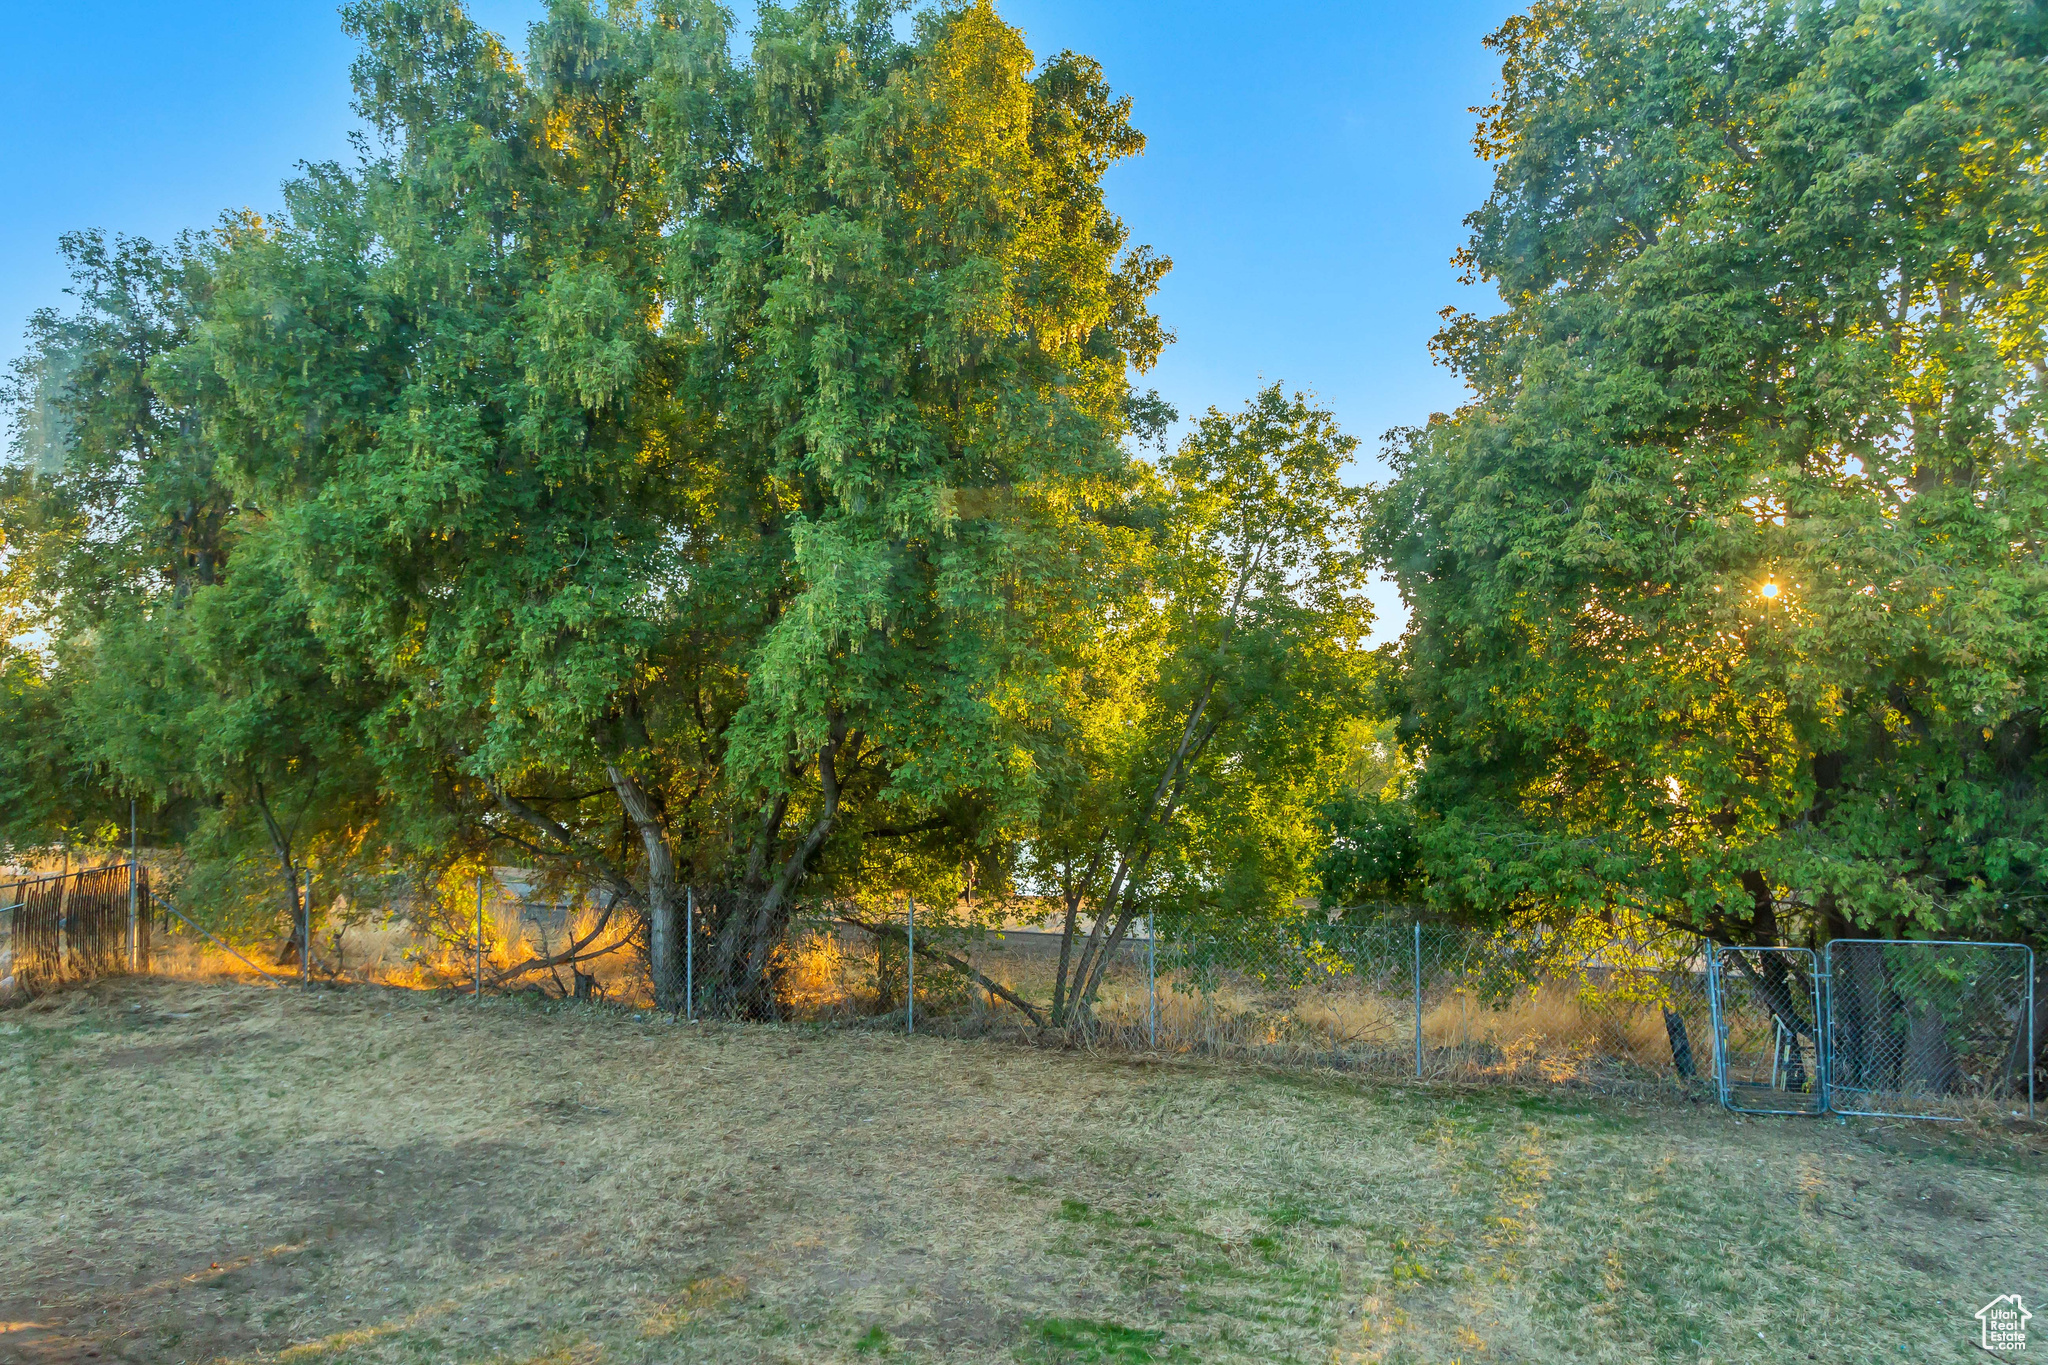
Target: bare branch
{"x":958,"y":964}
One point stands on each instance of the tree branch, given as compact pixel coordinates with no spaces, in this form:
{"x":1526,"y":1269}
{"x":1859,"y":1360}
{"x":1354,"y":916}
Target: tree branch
{"x":905,"y":831}
{"x":615,"y":880}
{"x":958,"y":964}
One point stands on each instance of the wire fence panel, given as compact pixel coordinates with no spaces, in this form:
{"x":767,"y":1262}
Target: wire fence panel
{"x":1406,"y":996}
{"x":1393,"y":995}
{"x":1339,"y":994}
{"x":1930,"y":1030}
{"x":1768,"y":1054}
{"x":72,"y":927}
{"x":1889,"y":1028}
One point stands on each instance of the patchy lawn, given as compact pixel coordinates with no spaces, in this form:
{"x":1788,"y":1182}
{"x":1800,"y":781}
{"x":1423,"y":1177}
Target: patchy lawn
{"x":193,"y":1172}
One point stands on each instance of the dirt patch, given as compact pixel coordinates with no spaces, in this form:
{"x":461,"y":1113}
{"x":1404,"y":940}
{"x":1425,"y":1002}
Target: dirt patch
{"x":1914,"y":1259}
{"x":1937,"y":1200}
{"x":282,"y":1233}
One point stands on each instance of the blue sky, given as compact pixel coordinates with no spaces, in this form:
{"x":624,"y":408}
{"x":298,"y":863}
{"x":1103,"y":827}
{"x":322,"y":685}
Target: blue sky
{"x":1308,"y":168}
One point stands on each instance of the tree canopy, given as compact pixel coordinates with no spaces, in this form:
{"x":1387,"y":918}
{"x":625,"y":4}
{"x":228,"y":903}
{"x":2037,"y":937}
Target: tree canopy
{"x":719,"y":472}
{"x":692,"y":473}
{"x":1727,"y":585}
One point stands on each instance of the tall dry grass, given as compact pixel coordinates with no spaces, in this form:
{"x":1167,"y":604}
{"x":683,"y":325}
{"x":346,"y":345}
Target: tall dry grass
{"x":1570,"y":1031}
{"x":1557,"y":1032}
{"x":391,"y":953}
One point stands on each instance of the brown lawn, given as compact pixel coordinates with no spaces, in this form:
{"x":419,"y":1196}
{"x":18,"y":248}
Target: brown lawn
{"x":217,"y":1172}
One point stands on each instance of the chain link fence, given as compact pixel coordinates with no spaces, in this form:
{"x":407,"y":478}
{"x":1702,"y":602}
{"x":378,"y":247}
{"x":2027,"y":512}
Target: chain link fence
{"x":1883,"y":1028}
{"x":1904,"y":1029}
{"x":1391,"y":996}
{"x":1930,"y":1029}
{"x":1767,"y":1030}
{"x":1444,"y":1001}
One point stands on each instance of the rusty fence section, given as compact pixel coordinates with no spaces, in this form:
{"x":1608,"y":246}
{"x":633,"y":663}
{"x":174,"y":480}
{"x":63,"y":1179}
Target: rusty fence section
{"x":71,"y":927}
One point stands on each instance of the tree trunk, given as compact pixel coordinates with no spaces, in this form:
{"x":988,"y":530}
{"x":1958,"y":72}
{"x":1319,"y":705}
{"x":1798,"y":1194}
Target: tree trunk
{"x":1930,"y":1053}
{"x":751,"y":922}
{"x":662,"y":938}
{"x":1681,"y":1046}
{"x":1059,"y":981}
{"x":1091,"y":981}
{"x":290,"y":871}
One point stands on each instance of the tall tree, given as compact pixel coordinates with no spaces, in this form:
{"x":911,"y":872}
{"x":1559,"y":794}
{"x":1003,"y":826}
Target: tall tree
{"x":110,"y":505}
{"x":694,"y":447}
{"x":1206,"y":718}
{"x":1727,"y":588}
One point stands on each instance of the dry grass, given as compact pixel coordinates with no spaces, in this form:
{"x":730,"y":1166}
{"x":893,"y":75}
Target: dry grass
{"x":1550,"y":1034}
{"x":213,"y":1171}
{"x":391,"y":954}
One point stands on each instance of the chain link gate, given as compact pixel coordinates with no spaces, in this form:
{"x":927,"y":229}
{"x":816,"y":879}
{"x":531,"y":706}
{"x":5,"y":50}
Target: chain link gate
{"x":1768,"y":1057}
{"x":1930,"y":1029}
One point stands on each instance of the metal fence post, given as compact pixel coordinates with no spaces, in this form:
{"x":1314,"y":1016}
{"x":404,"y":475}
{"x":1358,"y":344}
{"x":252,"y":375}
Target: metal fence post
{"x":1418,"y":999}
{"x":2033,"y":1038}
{"x":1714,"y":1016}
{"x":134,"y":936}
{"x":1152,"y":976}
{"x":1823,"y":1026}
{"x":910,"y":964}
{"x":306,"y":929}
{"x":690,"y":952}
{"x":478,"y":993}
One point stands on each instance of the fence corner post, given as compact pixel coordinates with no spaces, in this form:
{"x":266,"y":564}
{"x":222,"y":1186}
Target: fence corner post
{"x":1418,"y":998}
{"x":477,"y":992}
{"x":690,"y":953}
{"x":910,"y":963}
{"x":1152,"y":978}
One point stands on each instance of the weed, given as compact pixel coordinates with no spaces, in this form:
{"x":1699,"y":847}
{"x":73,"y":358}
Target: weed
{"x":1077,"y":1341}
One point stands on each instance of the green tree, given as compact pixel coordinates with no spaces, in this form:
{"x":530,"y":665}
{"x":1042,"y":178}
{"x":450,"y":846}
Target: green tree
{"x":162,"y":649}
{"x":228,"y":706}
{"x":1205,"y":722}
{"x":1726,"y":587}
{"x":109,"y":502}
{"x":1371,"y":858}
{"x":694,"y":448}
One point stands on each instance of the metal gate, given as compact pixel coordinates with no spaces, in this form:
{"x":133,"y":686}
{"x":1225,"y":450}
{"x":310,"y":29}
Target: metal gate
{"x":1890,"y":1028}
{"x":1768,"y":1054}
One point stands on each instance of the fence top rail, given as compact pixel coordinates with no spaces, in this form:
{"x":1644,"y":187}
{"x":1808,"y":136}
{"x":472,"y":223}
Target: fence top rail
{"x":17,"y":883}
{"x":1934,"y":943}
